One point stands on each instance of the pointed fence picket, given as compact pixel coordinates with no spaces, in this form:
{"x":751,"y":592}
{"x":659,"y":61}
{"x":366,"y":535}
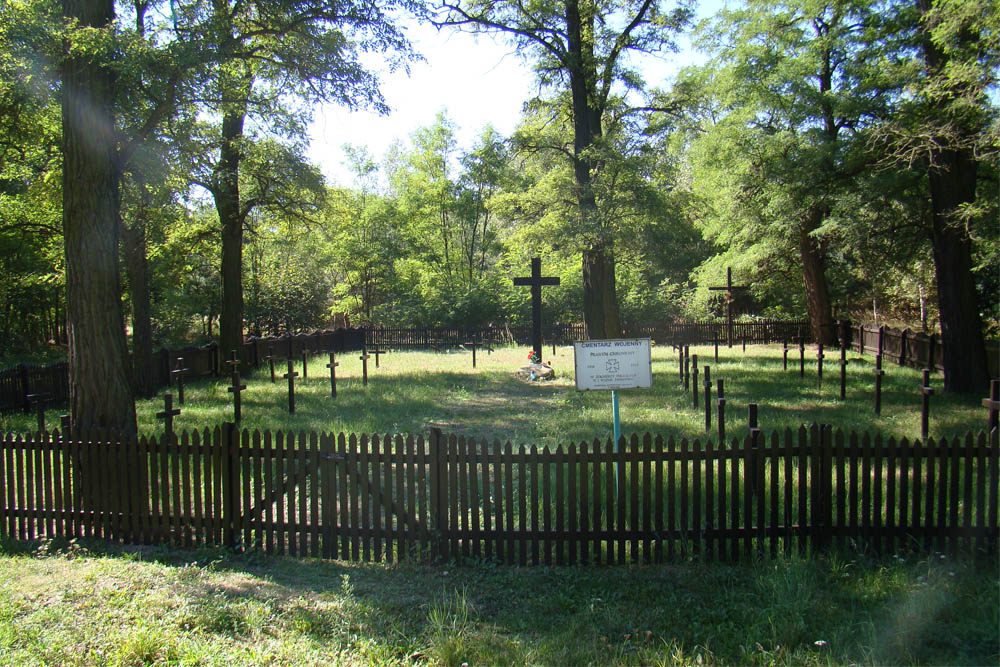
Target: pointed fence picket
{"x":391,"y":497}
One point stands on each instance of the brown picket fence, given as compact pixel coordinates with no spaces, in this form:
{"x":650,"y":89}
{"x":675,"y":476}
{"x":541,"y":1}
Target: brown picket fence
{"x":385,"y":498}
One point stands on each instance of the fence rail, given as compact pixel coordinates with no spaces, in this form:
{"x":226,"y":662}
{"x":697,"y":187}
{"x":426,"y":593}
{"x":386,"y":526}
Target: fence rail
{"x":385,"y":498}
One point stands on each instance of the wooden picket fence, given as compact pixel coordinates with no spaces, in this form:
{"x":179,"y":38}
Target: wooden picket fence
{"x":385,"y":498}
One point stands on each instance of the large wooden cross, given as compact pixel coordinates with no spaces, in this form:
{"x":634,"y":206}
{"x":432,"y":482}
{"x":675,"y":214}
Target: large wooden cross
{"x":535,"y":281}
{"x":730,"y":288}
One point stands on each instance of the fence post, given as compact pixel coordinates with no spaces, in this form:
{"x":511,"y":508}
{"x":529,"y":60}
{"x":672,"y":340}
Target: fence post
{"x":439,"y":498}
{"x":694,"y":383}
{"x":878,"y":384}
{"x":721,"y":403}
{"x":230,"y":484}
{"x":820,"y":486}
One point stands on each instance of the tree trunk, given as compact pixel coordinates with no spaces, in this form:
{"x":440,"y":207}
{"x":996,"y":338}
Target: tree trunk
{"x":952,"y":181}
{"x":814,"y":278}
{"x":600,"y":300}
{"x":227,"y":203}
{"x":963,"y":352}
{"x":100,"y":387}
{"x":600,"y":307}
{"x":137,"y":269}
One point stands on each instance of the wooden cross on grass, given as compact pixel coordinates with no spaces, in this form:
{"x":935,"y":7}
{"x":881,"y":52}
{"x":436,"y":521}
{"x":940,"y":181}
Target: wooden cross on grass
{"x":925,"y":403}
{"x":729,"y":287}
{"x":333,"y":373}
{"x":168,"y":414}
{"x":535,"y":281}
{"x":178,"y":374}
{"x":40,"y":399}
{"x":235,"y":390}
{"x":290,"y":376}
{"x":364,"y":365}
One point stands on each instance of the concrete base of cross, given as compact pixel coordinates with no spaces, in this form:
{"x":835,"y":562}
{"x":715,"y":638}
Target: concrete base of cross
{"x":535,"y":372}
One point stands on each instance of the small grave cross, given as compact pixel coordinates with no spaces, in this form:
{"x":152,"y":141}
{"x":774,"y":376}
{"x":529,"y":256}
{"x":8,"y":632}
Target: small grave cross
{"x":40,"y":400}
{"x":802,"y":355}
{"x":305,"y":363}
{"x":178,"y":373}
{"x":694,"y":380}
{"x":333,"y":373}
{"x":270,"y":361}
{"x":843,"y":372}
{"x":290,"y":376}
{"x":233,"y":362}
{"x":378,"y":352}
{"x":168,"y":414}
{"x":993,"y":405}
{"x":720,"y":403}
{"x":708,"y":398}
{"x":473,"y":344}
{"x":729,"y":287}
{"x":784,"y":355}
{"x":235,"y":390}
{"x":687,"y":367}
{"x":364,"y":365}
{"x":819,"y":366}
{"x":925,"y":403}
{"x":755,"y":469}
{"x":878,"y":383}
{"x":535,"y":281}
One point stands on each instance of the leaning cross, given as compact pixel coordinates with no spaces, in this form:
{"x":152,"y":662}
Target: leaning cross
{"x":535,"y":281}
{"x":729,"y":287}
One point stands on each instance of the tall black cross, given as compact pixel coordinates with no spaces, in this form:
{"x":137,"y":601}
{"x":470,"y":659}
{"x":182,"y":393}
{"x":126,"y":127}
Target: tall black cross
{"x":535,"y":281}
{"x":729,"y":287}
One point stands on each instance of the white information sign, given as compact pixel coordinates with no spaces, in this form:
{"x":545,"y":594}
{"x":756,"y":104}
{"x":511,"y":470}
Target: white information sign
{"x":613,"y":364}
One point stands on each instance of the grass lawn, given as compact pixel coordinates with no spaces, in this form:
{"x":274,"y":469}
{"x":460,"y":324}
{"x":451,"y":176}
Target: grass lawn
{"x":412,"y":391}
{"x":106,"y":607}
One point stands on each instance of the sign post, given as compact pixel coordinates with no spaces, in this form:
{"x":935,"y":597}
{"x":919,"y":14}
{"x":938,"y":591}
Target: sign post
{"x":612,"y":365}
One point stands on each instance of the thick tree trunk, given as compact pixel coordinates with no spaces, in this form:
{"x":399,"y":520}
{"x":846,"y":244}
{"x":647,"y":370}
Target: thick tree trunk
{"x":600,"y":299}
{"x":101,"y":394}
{"x":953,"y":183}
{"x":600,"y":307}
{"x":137,"y":269}
{"x":814,"y":279}
{"x":227,"y":203}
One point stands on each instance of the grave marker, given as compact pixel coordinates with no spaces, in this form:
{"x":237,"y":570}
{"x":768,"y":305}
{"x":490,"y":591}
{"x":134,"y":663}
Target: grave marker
{"x":270,"y":361}
{"x":234,"y":361}
{"x":178,"y":374}
{"x":687,"y":367}
{"x":305,"y":363}
{"x":377,"y":352}
{"x":290,"y":376}
{"x":235,"y":388}
{"x":754,"y":473}
{"x":729,"y":287}
{"x":694,"y":384}
{"x":925,"y":403}
{"x":333,"y":374}
{"x":802,"y":355}
{"x":535,"y":281}
{"x":819,"y":366}
{"x":40,"y":399}
{"x":168,"y":414}
{"x":878,"y":384}
{"x":720,"y":403}
{"x":843,"y":372}
{"x":708,"y":398}
{"x":992,"y":403}
{"x":473,"y":345}
{"x":364,"y":365}
{"x":784,"y":355}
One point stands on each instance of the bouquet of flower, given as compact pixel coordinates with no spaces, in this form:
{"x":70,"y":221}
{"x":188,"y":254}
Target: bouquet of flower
{"x":533,"y":357}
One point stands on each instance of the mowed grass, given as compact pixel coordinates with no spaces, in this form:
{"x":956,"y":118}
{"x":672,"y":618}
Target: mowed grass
{"x":412,"y":391}
{"x":106,"y":607}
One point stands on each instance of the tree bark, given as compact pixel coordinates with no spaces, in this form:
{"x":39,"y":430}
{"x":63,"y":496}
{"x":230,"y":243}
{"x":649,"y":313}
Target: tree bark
{"x":101,"y":393}
{"x":963,"y":351}
{"x":137,"y":270}
{"x":227,"y":203}
{"x":600,"y":305}
{"x":600,"y":299}
{"x":814,"y":279}
{"x":952,"y":183}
